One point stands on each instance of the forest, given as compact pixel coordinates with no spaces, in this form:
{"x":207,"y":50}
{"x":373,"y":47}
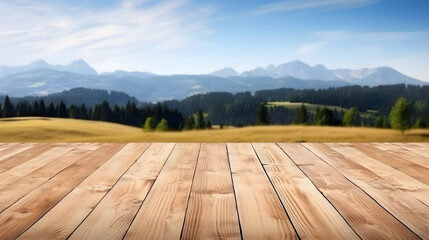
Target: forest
{"x":244,"y":109}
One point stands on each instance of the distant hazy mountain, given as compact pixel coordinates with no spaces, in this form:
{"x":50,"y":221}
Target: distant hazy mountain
{"x":77,"y":66}
{"x":225,"y":72}
{"x":39,"y":78}
{"x":150,"y":88}
{"x":120,"y":73}
{"x":301,"y":70}
{"x":78,"y":96}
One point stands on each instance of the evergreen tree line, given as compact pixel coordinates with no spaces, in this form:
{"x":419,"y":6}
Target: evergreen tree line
{"x":401,"y":116}
{"x":130,"y":114}
{"x":379,"y":98}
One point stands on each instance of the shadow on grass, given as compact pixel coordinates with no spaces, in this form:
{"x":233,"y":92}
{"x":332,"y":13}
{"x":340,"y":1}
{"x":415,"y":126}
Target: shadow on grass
{"x":23,"y":119}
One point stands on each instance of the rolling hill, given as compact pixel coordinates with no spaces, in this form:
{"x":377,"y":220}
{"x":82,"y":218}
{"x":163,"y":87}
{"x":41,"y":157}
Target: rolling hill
{"x":36,"y":129}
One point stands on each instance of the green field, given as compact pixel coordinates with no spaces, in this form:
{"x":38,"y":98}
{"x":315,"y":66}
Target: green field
{"x":311,"y":108}
{"x":35,"y":129}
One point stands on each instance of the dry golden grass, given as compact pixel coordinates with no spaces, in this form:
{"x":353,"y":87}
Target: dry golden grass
{"x":70,"y":130}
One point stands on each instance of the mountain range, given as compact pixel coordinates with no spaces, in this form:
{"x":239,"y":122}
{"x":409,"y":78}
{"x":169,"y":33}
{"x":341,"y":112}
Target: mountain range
{"x":301,"y":70}
{"x":41,"y":78}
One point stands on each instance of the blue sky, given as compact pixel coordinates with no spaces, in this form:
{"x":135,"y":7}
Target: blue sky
{"x":189,"y":36}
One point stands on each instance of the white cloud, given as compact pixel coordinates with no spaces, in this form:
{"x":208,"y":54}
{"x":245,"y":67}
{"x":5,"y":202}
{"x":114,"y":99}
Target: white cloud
{"x":31,"y":30}
{"x":340,"y":35}
{"x":37,"y":84}
{"x":290,"y":5}
{"x":310,"y":48}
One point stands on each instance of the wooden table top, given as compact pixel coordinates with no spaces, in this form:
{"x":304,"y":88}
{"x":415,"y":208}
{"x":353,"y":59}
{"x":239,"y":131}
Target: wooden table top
{"x":214,"y":190}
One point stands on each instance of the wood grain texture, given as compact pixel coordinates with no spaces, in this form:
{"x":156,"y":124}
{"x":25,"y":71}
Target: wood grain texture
{"x":407,"y":209}
{"x":34,"y":162}
{"x":365,"y":216}
{"x":18,"y":189}
{"x":20,"y":154}
{"x":397,"y":178}
{"x":113,"y":215}
{"x":212,"y":212}
{"x":21,"y":215}
{"x":261,"y":213}
{"x":14,"y":149}
{"x":6,"y":146}
{"x":310,"y":212}
{"x":421,"y":149}
{"x":162,"y":213}
{"x":61,"y":220}
{"x":395,"y":161}
{"x":404,"y":153}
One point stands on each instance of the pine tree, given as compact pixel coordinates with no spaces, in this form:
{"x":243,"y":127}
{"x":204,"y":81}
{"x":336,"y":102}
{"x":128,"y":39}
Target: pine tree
{"x":262,"y":115}
{"x":200,"y":124}
{"x":301,"y":116}
{"x":22,"y":109}
{"x":42,"y":109}
{"x":189,"y":123}
{"x":62,"y":110}
{"x":324,"y":117}
{"x":51,"y":110}
{"x":83,"y":112}
{"x":105,"y":111}
{"x":8,"y":110}
{"x":35,"y":109}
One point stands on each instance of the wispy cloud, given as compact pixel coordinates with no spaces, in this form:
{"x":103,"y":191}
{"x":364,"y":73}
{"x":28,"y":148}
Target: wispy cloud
{"x":42,"y":29}
{"x":310,"y":48}
{"x":339,"y":35}
{"x":290,"y":5}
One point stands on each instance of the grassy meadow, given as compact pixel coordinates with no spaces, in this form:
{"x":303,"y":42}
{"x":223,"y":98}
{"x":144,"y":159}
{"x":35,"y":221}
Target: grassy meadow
{"x":36,"y":129}
{"x":311,"y":108}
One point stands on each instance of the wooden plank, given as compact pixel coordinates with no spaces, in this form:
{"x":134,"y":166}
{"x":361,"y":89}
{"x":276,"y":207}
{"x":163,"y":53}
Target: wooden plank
{"x":162,"y":213}
{"x":364,"y":215}
{"x":416,"y":171}
{"x":407,"y":209}
{"x":10,"y":152}
{"x":310,"y":212}
{"x":64,"y":218}
{"x":417,"y":148}
{"x":261,"y":213}
{"x":212,"y":212}
{"x":18,"y":217}
{"x":404,"y":153}
{"x":24,"y":156}
{"x":25,"y":185}
{"x":5,"y":146}
{"x":50,"y":153}
{"x":398,"y":179}
{"x":113,"y":215}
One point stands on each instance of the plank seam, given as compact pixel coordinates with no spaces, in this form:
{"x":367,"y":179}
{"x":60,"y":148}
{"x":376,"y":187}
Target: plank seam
{"x":233,"y":189}
{"x":147,"y":194}
{"x":63,"y":197}
{"x":362,"y":190}
{"x":190,"y":191}
{"x":318,"y":188}
{"x":277,"y":194}
{"x":38,"y":185}
{"x":83,"y":220}
{"x":357,"y":149}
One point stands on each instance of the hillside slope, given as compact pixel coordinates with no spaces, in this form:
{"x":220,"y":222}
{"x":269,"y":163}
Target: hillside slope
{"x":37,"y":129}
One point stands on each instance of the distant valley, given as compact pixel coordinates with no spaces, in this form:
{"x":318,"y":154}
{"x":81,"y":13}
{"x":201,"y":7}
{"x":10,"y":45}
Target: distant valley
{"x":40,"y":78}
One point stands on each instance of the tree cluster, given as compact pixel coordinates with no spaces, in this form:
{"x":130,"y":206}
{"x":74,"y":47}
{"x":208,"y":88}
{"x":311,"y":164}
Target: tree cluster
{"x":130,"y":114}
